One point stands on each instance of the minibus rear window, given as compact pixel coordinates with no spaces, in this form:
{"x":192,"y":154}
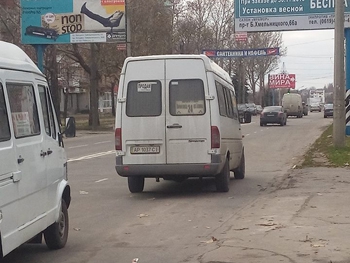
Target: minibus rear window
{"x":5,"y":134}
{"x":187,"y":97}
{"x":144,"y":99}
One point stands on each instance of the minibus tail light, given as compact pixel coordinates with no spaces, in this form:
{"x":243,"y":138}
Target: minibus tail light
{"x":215,"y":137}
{"x":118,"y":139}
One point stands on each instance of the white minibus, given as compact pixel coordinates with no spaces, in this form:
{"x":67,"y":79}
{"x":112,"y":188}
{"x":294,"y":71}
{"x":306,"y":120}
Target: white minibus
{"x":177,"y":117}
{"x":34,"y":191}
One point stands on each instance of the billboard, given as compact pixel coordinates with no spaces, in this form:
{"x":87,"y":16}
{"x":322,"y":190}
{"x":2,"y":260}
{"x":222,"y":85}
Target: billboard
{"x":282,"y":80}
{"x":237,"y":53}
{"x":273,"y":15}
{"x":72,"y":21}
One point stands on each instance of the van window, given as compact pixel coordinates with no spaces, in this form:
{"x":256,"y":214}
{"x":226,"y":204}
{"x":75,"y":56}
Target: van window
{"x":234,"y":103}
{"x":24,"y":111}
{"x":144,"y":99}
{"x":221,"y":99}
{"x":4,"y":122}
{"x":187,"y":97}
{"x":45,"y":109}
{"x":229,"y":108}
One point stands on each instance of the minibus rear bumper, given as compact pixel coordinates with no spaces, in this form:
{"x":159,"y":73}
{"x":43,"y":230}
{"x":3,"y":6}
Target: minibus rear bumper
{"x":161,"y":170}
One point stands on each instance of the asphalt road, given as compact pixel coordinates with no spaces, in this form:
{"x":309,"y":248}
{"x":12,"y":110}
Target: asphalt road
{"x":169,"y":221}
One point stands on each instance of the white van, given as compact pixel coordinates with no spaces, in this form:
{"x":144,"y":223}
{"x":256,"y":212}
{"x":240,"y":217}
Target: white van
{"x":34,"y":192}
{"x":177,"y":117}
{"x":292,"y":104}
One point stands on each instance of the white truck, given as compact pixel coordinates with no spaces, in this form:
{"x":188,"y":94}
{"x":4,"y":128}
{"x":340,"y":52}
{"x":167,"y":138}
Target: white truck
{"x":292,"y":104}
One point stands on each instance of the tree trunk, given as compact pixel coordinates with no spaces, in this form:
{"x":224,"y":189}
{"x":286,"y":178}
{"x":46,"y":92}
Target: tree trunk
{"x":94,"y":121}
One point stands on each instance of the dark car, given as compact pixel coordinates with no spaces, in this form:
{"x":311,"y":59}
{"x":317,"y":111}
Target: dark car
{"x":305,"y":109}
{"x":328,"y":110}
{"x":244,"y":113}
{"x":273,"y":114}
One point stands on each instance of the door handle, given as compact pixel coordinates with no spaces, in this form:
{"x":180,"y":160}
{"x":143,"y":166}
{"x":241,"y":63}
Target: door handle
{"x":49,"y":152}
{"x":20,"y":160}
{"x":174,"y":126}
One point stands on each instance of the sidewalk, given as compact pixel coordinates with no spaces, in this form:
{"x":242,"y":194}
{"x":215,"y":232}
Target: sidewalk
{"x":304,"y":219}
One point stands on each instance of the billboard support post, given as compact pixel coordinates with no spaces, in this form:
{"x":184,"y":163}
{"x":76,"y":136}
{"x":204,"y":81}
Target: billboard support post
{"x":40,"y":50}
{"x":347,"y":77}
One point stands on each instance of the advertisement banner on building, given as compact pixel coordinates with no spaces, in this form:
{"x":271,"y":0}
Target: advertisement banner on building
{"x":238,"y":53}
{"x":282,"y":81}
{"x":273,"y":15}
{"x":73,"y":21}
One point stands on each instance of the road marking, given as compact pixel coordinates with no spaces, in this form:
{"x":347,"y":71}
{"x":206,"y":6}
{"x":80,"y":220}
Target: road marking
{"x":102,"y":142}
{"x":91,"y":156}
{"x":99,"y":181}
{"x":79,"y":146}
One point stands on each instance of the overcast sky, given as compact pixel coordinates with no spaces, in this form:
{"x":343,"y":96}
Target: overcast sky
{"x":310,"y":55}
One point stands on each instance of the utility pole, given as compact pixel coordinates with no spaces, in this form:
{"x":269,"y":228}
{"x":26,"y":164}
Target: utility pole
{"x":128,"y":29}
{"x":339,"y":81}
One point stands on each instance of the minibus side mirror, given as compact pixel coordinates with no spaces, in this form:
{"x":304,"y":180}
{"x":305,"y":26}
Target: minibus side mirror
{"x":60,"y":140}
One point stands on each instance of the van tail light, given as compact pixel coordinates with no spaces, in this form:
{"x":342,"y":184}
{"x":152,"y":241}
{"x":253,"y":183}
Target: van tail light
{"x":118,"y":139}
{"x":215,"y":137}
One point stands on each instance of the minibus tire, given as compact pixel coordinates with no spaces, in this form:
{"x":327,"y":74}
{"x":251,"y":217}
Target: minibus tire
{"x":239,"y":172}
{"x":56,"y":235}
{"x":136,"y":184}
{"x":222,"y":180}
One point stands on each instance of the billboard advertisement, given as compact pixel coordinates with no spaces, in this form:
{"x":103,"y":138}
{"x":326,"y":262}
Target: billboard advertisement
{"x":281,"y":81}
{"x":73,"y":21}
{"x":238,"y":53}
{"x":273,"y":15}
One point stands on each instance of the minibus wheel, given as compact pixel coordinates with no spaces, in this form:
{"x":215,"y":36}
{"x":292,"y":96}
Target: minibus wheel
{"x":239,"y":172}
{"x":56,"y":235}
{"x":222,"y":180}
{"x":136,"y":184}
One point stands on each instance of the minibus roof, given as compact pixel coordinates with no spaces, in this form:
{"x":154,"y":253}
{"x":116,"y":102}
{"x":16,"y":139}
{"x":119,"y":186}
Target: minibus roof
{"x":13,"y":57}
{"x":209,"y":64}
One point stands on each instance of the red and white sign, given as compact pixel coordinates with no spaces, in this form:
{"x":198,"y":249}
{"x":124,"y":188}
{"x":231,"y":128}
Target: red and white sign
{"x":121,"y":46}
{"x":282,"y":81}
{"x":241,"y":36}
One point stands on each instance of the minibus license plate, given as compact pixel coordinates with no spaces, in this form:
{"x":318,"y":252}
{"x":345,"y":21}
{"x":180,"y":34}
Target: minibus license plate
{"x":144,"y":149}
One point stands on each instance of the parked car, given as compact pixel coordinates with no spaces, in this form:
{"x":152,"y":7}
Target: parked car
{"x":252,"y":108}
{"x":328,"y":110}
{"x":273,"y":114}
{"x":259,"y":109}
{"x":315,"y":107}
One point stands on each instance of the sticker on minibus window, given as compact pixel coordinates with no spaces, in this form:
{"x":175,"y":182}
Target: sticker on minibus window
{"x":21,"y":124}
{"x":190,"y":107}
{"x":145,"y":86}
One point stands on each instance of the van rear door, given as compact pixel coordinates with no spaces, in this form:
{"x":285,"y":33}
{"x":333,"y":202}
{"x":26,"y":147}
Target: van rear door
{"x":188,"y":128}
{"x":143,"y":113}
